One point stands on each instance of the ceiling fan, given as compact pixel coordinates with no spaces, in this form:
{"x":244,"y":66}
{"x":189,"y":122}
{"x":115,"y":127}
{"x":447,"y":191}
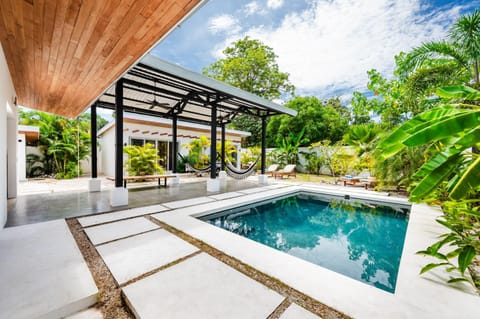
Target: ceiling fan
{"x":154,"y":103}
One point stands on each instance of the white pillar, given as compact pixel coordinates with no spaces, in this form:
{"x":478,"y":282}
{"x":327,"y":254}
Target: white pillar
{"x":119,"y":197}
{"x":222,"y":177}
{"x":213,"y":185}
{"x":263,"y":179}
{"x":94,"y":185}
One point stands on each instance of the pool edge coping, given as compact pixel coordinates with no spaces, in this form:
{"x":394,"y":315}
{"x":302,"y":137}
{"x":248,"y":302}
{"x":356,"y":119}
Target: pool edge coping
{"x":410,"y":298}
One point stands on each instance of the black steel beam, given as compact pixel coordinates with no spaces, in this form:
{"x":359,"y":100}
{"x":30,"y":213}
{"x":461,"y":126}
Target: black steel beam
{"x":174,"y":142}
{"x":93,"y":139}
{"x":222,"y":164}
{"x":213,"y":142}
{"x":135,"y":110}
{"x":264,"y":144}
{"x":119,"y":133}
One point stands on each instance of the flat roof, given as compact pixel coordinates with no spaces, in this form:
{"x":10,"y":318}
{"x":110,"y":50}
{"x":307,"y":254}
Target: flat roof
{"x":159,"y":88}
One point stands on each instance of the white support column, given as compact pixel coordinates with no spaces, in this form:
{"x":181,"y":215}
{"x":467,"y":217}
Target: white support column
{"x":119,"y":197}
{"x":222,"y":177}
{"x":213,"y":185}
{"x":263,"y":179}
{"x":94,"y":185}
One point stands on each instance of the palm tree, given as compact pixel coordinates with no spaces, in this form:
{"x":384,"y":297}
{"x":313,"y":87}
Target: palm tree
{"x":461,"y":52}
{"x":466,"y":35}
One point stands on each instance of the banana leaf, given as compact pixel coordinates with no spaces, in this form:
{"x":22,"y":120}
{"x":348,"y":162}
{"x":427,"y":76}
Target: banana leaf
{"x":436,"y":176}
{"x":451,"y":125}
{"x":394,"y":142}
{"x":469,"y":139}
{"x":470,"y":179}
{"x":435,"y":162}
{"x":458,"y":92}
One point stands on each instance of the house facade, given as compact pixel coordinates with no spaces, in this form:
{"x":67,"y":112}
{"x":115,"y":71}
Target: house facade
{"x":141,"y":129}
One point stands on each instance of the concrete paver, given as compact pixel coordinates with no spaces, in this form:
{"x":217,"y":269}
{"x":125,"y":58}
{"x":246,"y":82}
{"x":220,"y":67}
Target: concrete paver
{"x":225,"y":195}
{"x":131,"y":257}
{"x":43,"y":274}
{"x":188,"y":202}
{"x":121,"y":214}
{"x":200,"y":287}
{"x":91,"y":313}
{"x":296,"y":312}
{"x":108,"y":232}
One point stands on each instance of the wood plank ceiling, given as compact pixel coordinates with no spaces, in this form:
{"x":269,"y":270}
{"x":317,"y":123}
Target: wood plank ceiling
{"x":64,"y":54}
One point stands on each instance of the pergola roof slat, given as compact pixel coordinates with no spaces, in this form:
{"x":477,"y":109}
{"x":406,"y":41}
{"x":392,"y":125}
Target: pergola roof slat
{"x":186,"y":94}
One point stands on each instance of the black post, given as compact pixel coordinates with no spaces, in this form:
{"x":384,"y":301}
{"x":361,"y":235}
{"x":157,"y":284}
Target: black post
{"x":119,"y":133}
{"x":222,"y":165}
{"x":174,"y":142}
{"x":93,"y":138}
{"x":213,"y":144}
{"x":264,"y":143}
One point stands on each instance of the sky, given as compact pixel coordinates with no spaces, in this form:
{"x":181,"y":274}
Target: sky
{"x":327,"y":46}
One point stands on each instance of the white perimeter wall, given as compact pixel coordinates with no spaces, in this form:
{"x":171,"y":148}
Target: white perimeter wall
{"x":7,"y":109}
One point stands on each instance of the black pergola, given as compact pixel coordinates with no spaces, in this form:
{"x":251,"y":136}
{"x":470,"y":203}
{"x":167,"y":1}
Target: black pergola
{"x":161,"y":89}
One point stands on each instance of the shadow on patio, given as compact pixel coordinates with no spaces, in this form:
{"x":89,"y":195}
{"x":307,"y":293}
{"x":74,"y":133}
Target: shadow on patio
{"x":49,"y":202}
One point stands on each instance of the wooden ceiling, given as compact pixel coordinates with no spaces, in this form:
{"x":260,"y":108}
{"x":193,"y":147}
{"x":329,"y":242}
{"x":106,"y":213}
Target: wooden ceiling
{"x":63,"y":54}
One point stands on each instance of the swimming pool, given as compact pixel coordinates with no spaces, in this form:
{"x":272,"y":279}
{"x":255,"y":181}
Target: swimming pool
{"x":357,"y":238}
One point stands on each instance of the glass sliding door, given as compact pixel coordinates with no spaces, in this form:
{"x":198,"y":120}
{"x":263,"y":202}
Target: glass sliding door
{"x":162,"y":149}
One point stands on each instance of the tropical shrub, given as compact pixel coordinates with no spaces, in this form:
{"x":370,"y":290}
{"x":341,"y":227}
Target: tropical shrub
{"x":452,"y":133}
{"x":142,"y":160}
{"x":63,"y":142}
{"x":34,"y":166}
{"x":363,"y":138}
{"x":197,"y":151}
{"x":276,"y":156}
{"x":289,"y":147}
{"x":230,"y":151}
{"x":250,"y":155}
{"x":462,"y":219}
{"x":315,"y":161}
{"x":397,"y":170}
{"x":452,"y":130}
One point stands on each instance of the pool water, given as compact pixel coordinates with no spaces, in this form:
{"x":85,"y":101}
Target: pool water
{"x":356,"y":238}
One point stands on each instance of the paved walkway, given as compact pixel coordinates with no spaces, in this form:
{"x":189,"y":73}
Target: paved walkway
{"x":42,"y":272}
{"x":44,"y":200}
{"x":164,"y":276}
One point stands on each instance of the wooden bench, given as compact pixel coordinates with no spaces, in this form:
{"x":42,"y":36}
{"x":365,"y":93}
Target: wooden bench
{"x":145,"y":177}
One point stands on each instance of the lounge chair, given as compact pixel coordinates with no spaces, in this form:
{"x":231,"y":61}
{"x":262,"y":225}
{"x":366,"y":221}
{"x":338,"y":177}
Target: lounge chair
{"x":364,"y":178}
{"x":271,"y":169}
{"x":288,"y":171}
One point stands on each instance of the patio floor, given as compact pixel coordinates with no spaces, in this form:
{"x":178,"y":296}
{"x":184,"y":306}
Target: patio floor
{"x":40,"y":201}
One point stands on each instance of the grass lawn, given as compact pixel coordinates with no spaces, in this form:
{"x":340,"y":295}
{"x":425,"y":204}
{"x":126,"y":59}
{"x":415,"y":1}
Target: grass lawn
{"x":301,"y":177}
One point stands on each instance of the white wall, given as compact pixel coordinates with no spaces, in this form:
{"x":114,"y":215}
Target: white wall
{"x":22,"y":158}
{"x":107,"y":153}
{"x":141,"y":131}
{"x":12,"y":132}
{"x":7,"y":95}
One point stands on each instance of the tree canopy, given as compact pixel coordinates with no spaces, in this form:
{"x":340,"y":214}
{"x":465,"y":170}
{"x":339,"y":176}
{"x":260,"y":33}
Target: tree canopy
{"x":251,"y":66}
{"x":327,"y":120}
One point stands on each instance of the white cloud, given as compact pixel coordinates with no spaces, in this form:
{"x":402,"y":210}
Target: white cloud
{"x":329,"y":47}
{"x":223,"y":23}
{"x":251,"y":8}
{"x":274,"y":4}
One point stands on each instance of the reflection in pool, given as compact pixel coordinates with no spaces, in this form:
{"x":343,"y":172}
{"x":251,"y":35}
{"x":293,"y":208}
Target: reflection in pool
{"x":359,"y":239}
